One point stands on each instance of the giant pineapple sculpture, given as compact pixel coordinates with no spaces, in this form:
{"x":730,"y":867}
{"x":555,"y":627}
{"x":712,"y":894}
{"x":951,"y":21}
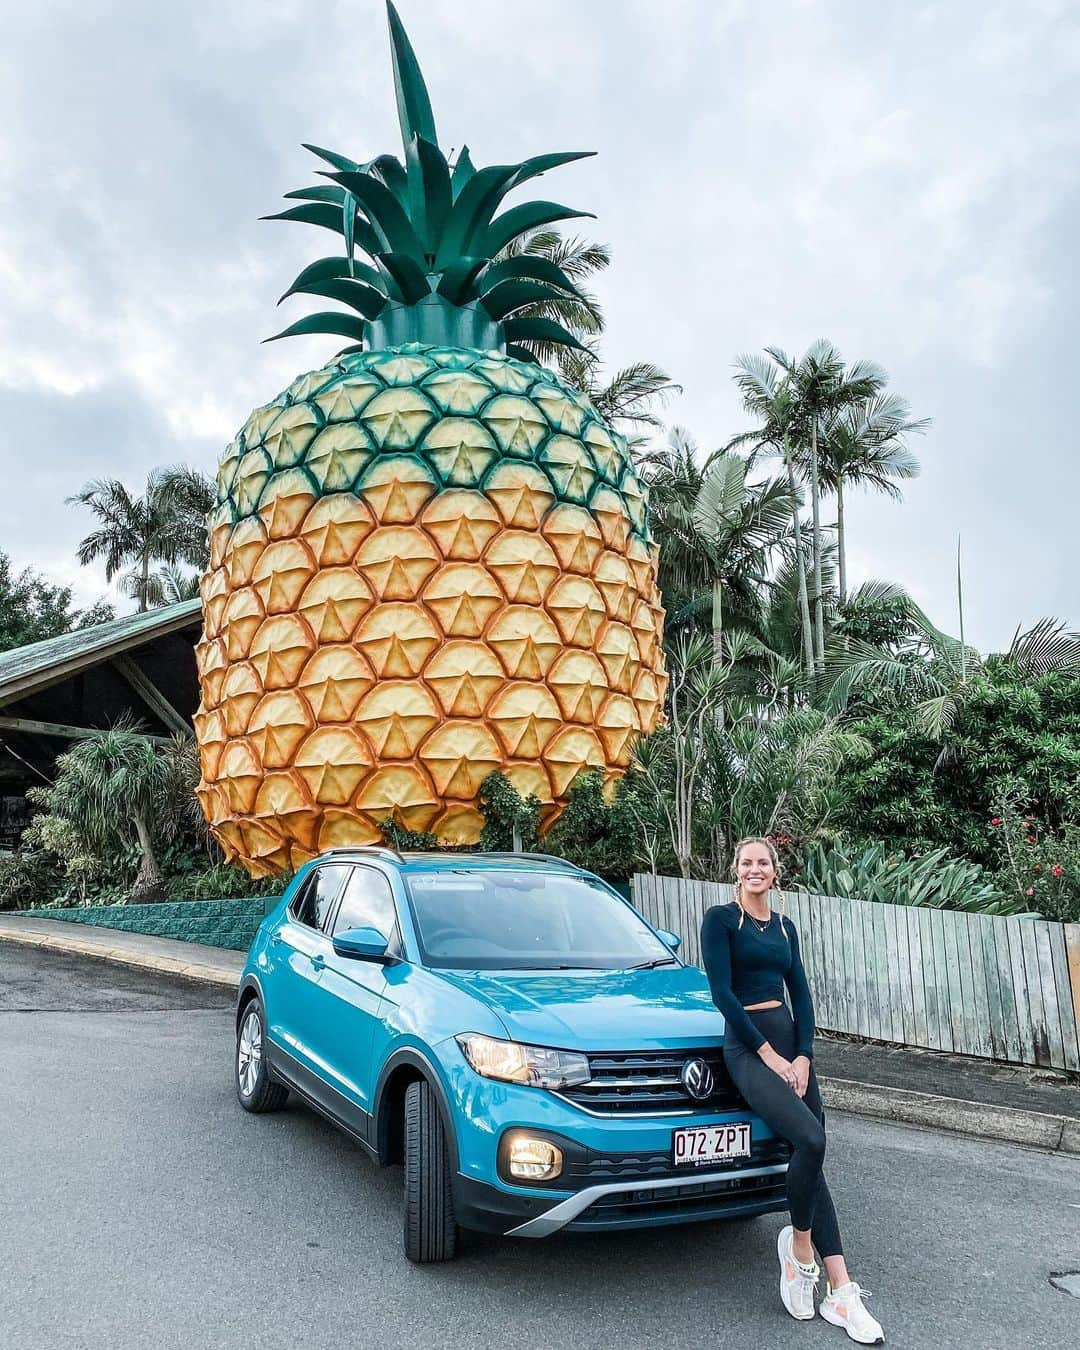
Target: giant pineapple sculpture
{"x":430,"y":559}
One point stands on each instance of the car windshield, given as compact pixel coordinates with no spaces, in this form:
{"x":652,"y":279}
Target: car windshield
{"x":504,"y":920}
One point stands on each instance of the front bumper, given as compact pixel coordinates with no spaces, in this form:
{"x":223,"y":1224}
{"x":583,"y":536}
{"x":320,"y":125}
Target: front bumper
{"x":618,"y":1169}
{"x":719,"y":1194}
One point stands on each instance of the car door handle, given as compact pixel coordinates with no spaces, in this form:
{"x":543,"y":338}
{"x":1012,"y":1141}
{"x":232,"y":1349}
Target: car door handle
{"x":319,"y":962}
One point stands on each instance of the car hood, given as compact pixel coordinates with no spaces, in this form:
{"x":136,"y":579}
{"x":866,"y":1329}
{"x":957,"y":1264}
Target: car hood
{"x":667,"y":1008}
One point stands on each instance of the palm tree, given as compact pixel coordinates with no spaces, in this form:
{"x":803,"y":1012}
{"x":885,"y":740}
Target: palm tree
{"x":166,"y":524}
{"x":821,"y":387}
{"x":111,"y":786}
{"x":629,"y":396}
{"x":631,"y":393}
{"x":737,"y":526}
{"x":716,"y":532}
{"x":767,"y":395}
{"x":175,"y":585}
{"x":864,"y":446}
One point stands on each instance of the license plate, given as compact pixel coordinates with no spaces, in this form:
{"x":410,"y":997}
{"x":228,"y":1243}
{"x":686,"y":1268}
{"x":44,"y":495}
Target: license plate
{"x":711,"y":1143}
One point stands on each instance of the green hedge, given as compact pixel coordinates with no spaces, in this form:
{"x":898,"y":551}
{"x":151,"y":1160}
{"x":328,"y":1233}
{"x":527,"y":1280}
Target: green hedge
{"x":215,"y":923}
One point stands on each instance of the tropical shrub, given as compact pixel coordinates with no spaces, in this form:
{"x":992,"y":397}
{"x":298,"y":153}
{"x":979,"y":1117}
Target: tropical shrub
{"x":507,"y":813}
{"x":600,"y":827}
{"x":221,"y":881}
{"x":28,"y":877}
{"x":1012,"y":737}
{"x":1039,"y":868}
{"x":933,"y":880}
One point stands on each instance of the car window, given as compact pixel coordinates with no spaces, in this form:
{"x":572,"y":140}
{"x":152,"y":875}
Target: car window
{"x":368,"y":902}
{"x":315,"y":905}
{"x":500,"y":919}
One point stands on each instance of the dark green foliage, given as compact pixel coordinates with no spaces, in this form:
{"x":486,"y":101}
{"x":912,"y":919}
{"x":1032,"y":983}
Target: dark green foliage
{"x":397,"y":836}
{"x":1041,"y":869}
{"x":220,"y":881}
{"x":884,"y":621}
{"x":28,"y":877}
{"x":503,"y":809}
{"x":603,"y":837}
{"x":32,"y":609}
{"x":933,"y":880}
{"x":1014,"y":740}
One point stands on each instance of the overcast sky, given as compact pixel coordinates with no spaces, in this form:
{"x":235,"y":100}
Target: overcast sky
{"x":901,"y":178}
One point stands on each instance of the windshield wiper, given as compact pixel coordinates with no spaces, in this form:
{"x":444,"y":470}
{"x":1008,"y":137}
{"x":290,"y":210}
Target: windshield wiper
{"x":557,"y":967}
{"x":651,"y":965}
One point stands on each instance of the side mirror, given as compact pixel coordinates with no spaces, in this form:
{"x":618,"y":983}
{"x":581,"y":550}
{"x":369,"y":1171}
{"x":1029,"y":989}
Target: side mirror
{"x":669,"y":939}
{"x":362,"y":944}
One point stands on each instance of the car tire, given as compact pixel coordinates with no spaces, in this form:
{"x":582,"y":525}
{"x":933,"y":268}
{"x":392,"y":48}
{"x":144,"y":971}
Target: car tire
{"x":255,"y":1089}
{"x":430,"y":1230}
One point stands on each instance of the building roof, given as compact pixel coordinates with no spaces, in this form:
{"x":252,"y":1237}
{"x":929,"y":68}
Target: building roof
{"x":24,"y":670}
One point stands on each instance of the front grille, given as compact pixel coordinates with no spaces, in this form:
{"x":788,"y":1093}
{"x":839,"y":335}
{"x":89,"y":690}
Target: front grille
{"x":593,"y":1168}
{"x":702,"y":1200}
{"x":625,"y":1082}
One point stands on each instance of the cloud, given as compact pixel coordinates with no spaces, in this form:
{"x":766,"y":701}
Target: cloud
{"x":893,"y":177}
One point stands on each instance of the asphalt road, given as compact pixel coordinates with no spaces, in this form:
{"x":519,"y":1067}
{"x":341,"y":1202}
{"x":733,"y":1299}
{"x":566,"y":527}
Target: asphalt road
{"x":140,"y":1207}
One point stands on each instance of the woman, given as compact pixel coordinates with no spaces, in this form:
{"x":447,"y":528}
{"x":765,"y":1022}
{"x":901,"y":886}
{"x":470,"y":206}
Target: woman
{"x":750,"y":953}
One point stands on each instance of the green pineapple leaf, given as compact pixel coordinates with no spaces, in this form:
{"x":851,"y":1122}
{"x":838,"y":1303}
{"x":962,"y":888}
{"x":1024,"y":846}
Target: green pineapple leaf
{"x":326,"y":269}
{"x":331,"y":157}
{"x":414,"y":106}
{"x":538,"y":329}
{"x":344,"y":325}
{"x":456,"y":282}
{"x":464,"y":169}
{"x":432,"y":237}
{"x":386,"y":214}
{"x":366,"y":300}
{"x":529,"y":267}
{"x":521,"y":219}
{"x":508,"y":296}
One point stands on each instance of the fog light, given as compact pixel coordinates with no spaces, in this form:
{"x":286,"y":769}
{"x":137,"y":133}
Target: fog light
{"x":531,"y":1159}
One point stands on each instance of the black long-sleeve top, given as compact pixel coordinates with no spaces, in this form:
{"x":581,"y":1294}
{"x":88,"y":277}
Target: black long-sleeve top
{"x":746,"y":965}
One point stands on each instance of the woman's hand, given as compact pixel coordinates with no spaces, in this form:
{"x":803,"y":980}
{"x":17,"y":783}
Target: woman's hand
{"x":801,"y":1065}
{"x":780,"y":1066}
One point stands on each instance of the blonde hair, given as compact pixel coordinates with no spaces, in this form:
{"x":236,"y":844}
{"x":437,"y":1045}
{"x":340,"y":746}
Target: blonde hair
{"x":768,"y":844}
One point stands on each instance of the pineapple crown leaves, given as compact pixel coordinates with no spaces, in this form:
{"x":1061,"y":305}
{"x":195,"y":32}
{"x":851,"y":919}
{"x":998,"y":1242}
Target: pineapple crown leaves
{"x":432,"y":234}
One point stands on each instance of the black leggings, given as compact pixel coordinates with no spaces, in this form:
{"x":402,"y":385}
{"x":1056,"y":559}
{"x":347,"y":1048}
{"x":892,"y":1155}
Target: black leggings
{"x":799,"y":1120}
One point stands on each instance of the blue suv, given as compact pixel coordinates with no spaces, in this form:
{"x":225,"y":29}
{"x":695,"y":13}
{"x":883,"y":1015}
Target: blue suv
{"x":509,"y":1028}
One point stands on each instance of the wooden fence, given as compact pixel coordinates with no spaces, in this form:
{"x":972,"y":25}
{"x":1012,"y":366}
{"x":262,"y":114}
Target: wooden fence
{"x":1005,"y":989}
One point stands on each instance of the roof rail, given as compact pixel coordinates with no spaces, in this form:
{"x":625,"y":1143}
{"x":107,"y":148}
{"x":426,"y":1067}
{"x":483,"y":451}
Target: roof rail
{"x":363,"y":848}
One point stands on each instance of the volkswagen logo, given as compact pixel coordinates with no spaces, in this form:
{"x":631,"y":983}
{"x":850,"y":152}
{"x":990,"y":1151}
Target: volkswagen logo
{"x":697,"y":1079}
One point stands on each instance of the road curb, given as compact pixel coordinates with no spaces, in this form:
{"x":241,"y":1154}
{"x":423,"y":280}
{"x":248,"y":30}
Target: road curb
{"x":1036,"y":1129}
{"x":205,"y":972}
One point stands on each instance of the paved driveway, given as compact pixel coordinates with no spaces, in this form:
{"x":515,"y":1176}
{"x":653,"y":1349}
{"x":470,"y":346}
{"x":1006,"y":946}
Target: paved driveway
{"x":140,"y":1207}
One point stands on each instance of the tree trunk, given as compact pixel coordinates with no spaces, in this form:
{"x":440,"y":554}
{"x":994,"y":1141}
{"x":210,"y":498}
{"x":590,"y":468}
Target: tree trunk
{"x":804,"y":602}
{"x":149,"y":884}
{"x":815,"y":497}
{"x":840,"y":537}
{"x":144,"y":583}
{"x":718,"y":623}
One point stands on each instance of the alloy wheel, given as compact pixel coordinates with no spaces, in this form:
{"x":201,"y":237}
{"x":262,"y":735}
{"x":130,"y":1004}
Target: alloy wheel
{"x":249,"y":1052}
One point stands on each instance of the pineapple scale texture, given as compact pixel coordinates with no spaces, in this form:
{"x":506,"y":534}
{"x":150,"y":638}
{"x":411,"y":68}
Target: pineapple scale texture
{"x":427,"y":563}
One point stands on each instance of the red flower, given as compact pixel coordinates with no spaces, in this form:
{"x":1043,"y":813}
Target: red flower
{"x":995,"y":820}
{"x":1030,"y":838}
{"x":1029,"y":891}
{"x":1057,"y":869}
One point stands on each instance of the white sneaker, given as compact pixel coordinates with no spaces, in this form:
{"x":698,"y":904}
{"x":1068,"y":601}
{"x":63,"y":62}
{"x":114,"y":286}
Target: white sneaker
{"x":843,"y":1307}
{"x":796,"y":1280}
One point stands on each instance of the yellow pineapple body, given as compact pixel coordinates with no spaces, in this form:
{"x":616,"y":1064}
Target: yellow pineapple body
{"x":427,"y":563}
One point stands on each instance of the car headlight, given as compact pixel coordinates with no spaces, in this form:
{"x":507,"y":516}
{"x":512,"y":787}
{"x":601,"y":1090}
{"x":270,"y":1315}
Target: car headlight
{"x":531,"y":1065}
